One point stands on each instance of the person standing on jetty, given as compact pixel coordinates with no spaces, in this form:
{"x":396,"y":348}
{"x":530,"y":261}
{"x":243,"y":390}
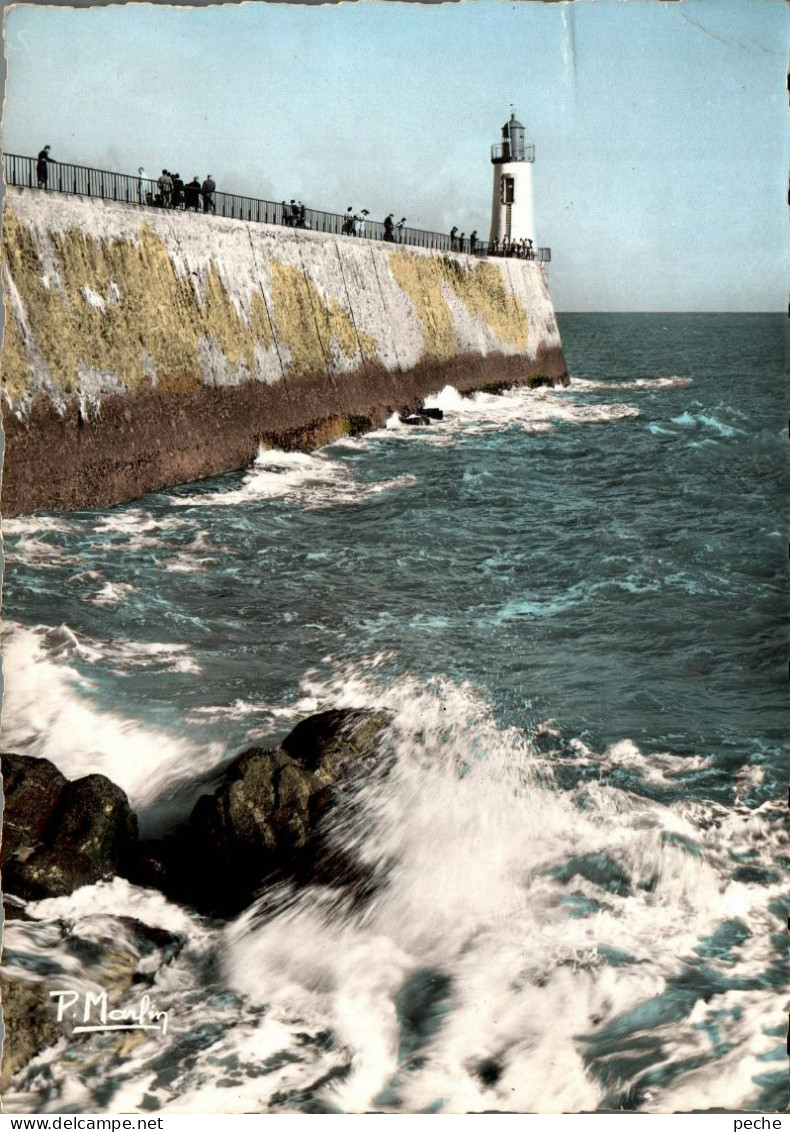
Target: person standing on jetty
{"x":192,"y":194}
{"x":207,"y":189}
{"x":165,"y":186}
{"x":42,"y":167}
{"x":178,"y":191}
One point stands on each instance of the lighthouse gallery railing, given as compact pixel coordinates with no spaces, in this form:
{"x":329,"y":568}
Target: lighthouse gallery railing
{"x":81,"y":180}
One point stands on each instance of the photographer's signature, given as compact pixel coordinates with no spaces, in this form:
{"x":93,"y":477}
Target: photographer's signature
{"x":94,"y":1013}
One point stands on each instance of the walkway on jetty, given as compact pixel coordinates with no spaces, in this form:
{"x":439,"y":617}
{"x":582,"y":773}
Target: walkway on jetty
{"x":81,"y":180}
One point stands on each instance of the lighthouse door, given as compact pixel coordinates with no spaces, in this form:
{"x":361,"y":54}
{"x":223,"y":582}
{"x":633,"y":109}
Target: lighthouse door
{"x":507,"y":196}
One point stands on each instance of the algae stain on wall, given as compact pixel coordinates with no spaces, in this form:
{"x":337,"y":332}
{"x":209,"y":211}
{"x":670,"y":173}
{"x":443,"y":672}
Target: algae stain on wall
{"x":309,"y":326}
{"x":117,"y":306}
{"x":481,"y":288}
{"x":485,"y":295}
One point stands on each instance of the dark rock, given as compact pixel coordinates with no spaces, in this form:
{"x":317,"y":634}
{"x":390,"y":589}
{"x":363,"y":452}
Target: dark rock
{"x":359,"y":425}
{"x":29,"y":1024}
{"x":434,"y":414}
{"x":60,"y":835}
{"x":93,"y":818}
{"x":32,"y":788}
{"x":416,"y":419}
{"x":538,"y":380}
{"x":48,"y":873}
{"x":323,"y":742}
{"x":496,"y":387}
{"x":263,"y":819}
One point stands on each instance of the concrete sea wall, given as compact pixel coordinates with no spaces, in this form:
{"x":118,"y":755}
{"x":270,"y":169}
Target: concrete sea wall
{"x":145,"y":348}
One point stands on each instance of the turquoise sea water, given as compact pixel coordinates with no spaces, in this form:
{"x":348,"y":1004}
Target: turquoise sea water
{"x":573,"y":601}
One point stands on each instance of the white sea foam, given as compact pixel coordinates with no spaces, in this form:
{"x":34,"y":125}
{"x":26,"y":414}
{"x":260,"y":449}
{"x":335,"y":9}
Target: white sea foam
{"x":466,"y":845}
{"x":316,"y":479}
{"x":583,"y":384}
{"x":120,"y":653}
{"x":111,"y":593}
{"x":40,"y":554}
{"x":533,"y":410}
{"x":50,"y":711}
{"x":707,"y":420}
{"x":193,"y":557}
{"x":34,"y":524}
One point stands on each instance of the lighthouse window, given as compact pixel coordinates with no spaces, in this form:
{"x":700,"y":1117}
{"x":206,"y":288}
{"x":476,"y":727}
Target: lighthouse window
{"x":508,"y":190}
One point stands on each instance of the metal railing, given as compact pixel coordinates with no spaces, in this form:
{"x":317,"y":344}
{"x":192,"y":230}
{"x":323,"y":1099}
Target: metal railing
{"x":505,"y":151}
{"x":80,"y":180}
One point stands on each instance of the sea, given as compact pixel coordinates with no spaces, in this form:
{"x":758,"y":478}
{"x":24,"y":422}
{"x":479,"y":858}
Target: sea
{"x":572,"y":601}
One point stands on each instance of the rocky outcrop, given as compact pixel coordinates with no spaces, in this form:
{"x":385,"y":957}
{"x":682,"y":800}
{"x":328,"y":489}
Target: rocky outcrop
{"x":60,"y":835}
{"x":264,"y":819}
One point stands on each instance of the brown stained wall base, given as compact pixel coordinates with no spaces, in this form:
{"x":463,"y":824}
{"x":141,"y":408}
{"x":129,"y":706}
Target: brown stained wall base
{"x":151,"y":439}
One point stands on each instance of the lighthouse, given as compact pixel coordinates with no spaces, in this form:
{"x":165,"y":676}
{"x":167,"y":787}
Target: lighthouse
{"x":511,"y":208}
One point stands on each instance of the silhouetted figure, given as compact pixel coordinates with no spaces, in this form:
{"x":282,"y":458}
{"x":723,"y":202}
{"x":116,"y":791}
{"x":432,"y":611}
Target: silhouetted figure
{"x":286,"y":214}
{"x":303,"y":221}
{"x":473,"y":242}
{"x":349,"y":221}
{"x":461,"y":245}
{"x":530,"y":250}
{"x":401,"y":222}
{"x":389,"y":228}
{"x":178,"y":190}
{"x":192,"y":194}
{"x":294,"y":214}
{"x":453,"y":238}
{"x":42,"y":167}
{"x":165,"y":186}
{"x":207,"y":190}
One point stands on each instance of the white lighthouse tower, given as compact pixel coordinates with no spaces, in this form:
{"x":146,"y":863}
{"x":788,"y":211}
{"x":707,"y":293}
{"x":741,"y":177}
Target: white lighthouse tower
{"x":511,"y":209}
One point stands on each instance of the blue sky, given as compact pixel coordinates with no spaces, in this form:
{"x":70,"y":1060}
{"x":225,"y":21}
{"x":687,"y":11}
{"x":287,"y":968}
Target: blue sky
{"x":660,"y":128}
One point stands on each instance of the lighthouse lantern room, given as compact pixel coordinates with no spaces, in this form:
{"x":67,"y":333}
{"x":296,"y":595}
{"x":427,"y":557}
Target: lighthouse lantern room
{"x":511,"y":208}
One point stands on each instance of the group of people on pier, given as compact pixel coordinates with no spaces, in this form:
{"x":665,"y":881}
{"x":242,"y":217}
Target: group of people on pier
{"x":393,"y":233}
{"x":295,"y":215}
{"x":170,"y":191}
{"x":461,"y":244}
{"x":517,"y":249}
{"x":173,"y":193}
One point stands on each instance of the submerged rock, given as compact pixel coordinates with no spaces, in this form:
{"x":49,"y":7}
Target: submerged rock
{"x":263,"y":818}
{"x":434,"y":414}
{"x":59,"y":835}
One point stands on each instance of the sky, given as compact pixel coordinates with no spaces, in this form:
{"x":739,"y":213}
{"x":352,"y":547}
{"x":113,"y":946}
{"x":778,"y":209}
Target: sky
{"x":661,"y":128}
